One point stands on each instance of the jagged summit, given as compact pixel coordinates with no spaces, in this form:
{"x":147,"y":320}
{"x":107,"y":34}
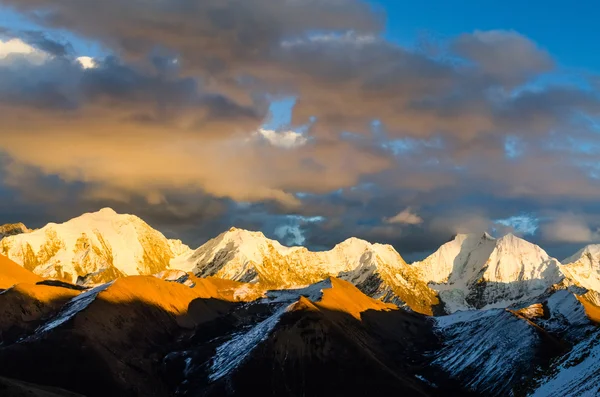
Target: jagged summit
{"x":488,"y":236}
{"x":92,"y":248}
{"x":587,"y":251}
{"x":474,"y":271}
{"x":11,"y":229}
{"x":583,"y":268}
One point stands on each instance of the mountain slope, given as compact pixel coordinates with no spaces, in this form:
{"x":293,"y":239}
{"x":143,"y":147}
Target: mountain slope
{"x":110,"y":340}
{"x":11,"y":274}
{"x":377,"y":270}
{"x":15,"y":388}
{"x":94,"y":248}
{"x":25,"y":306}
{"x":326,"y":339}
{"x":493,"y":352}
{"x":577,"y":373}
{"x":583,"y":268}
{"x":479,"y":271}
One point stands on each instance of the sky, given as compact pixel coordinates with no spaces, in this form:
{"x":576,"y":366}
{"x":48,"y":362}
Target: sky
{"x":310,"y":120}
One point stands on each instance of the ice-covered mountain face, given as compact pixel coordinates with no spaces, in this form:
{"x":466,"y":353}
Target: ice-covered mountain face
{"x":93,"y":248}
{"x":376,"y":269}
{"x":479,"y":271}
{"x":11,"y":229}
{"x":583,"y":268}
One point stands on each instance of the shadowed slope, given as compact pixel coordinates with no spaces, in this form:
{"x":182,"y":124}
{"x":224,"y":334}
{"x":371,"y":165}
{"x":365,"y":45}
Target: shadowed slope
{"x":577,"y":373}
{"x":493,"y":352}
{"x":112,"y":340}
{"x":327,"y":339}
{"x":23,"y":308}
{"x":15,"y":388}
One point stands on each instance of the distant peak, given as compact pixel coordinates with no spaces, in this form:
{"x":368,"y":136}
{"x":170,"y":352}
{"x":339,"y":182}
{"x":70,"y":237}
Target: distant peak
{"x":11,"y":226}
{"x":12,"y":229}
{"x":454,"y":237}
{"x":236,"y":231}
{"x":107,"y":211}
{"x":460,"y":237}
{"x":488,"y":236}
{"x":592,"y":249}
{"x":353,"y":241}
{"x":510,"y":236}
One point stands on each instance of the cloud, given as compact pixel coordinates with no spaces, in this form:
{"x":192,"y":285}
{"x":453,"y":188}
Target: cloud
{"x":405,"y":217}
{"x":521,"y":224}
{"x":284,"y":139}
{"x":174,"y":111}
{"x":458,"y":222}
{"x":569,"y":228}
{"x":14,"y":49}
{"x":87,"y":62}
{"x":43,"y":43}
{"x":504,"y":56}
{"x":14,"y":46}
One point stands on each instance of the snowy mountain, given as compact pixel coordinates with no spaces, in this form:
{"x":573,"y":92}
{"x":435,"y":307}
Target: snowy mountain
{"x":93,"y":248}
{"x":176,"y":334}
{"x":479,"y":271}
{"x":583,"y":268}
{"x":244,"y":312}
{"x":376,"y":269}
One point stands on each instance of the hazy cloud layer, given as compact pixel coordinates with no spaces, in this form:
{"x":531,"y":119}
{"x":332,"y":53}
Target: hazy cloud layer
{"x":570,"y":228}
{"x":406,"y":217}
{"x":169,"y":123}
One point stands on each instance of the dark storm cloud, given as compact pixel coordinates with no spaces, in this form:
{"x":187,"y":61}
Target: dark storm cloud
{"x":42,"y":42}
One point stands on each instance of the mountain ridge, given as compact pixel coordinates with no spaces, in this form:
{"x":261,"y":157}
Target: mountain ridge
{"x":376,"y":269}
{"x":469,"y":271}
{"x":93,"y":248}
{"x":176,"y":333}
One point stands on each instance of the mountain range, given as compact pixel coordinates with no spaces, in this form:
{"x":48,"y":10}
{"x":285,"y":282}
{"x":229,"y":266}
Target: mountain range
{"x":104,"y":304}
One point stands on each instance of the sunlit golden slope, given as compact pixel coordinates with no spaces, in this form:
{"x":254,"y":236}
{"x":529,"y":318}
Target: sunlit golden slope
{"x":345,"y":297}
{"x":11,"y":274}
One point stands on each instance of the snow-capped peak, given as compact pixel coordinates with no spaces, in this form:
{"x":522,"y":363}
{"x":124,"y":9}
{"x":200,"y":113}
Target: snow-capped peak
{"x":583,"y":268}
{"x":478,"y":271}
{"x":488,"y":236}
{"x":97,"y":247}
{"x":589,"y":250}
{"x":107,"y":211}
